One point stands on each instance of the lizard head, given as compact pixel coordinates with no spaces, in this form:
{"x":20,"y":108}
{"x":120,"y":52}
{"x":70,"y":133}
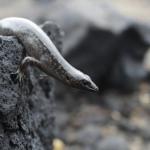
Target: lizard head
{"x":83,"y":81}
{"x":88,"y":84}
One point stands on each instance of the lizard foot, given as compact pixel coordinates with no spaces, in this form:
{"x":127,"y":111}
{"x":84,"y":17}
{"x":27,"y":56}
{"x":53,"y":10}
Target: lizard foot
{"x":18,"y":77}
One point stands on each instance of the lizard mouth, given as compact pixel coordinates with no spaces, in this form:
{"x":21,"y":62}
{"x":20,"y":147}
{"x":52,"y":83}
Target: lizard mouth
{"x":93,"y":87}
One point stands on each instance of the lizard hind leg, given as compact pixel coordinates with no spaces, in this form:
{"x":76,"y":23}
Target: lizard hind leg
{"x":20,"y":74}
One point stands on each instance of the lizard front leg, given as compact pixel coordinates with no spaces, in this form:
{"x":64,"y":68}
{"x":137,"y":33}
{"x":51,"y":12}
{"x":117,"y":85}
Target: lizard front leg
{"x":21,"y":72}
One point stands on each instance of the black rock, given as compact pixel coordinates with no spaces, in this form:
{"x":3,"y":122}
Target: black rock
{"x":113,"y":61}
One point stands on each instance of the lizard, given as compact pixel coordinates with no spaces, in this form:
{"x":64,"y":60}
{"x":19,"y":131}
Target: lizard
{"x":43,"y":54}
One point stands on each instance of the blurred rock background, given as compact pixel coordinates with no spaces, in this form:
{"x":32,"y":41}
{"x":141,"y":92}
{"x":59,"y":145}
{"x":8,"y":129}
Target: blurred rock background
{"x":109,"y":40}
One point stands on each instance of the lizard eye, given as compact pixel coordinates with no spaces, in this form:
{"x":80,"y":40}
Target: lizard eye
{"x":67,"y":78}
{"x":84,"y":82}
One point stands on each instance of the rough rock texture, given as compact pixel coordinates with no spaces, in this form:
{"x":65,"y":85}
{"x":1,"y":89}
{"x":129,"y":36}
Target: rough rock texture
{"x":26,"y":113}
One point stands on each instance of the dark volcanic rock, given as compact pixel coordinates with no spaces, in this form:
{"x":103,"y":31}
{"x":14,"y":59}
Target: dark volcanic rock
{"x":26,"y":113}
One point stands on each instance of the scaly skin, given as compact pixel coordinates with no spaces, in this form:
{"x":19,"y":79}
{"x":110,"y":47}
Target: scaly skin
{"x":42,"y":53}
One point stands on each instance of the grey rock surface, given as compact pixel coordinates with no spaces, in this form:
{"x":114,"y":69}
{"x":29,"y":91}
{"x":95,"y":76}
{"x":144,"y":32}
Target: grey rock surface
{"x":26,"y":113}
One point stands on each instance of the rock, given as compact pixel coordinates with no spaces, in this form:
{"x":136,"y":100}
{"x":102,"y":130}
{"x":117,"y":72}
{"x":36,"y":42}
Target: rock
{"x":145,"y":133}
{"x":89,"y":135}
{"x":55,"y":33}
{"x":91,"y":115}
{"x":127,"y":126}
{"x":74,"y":148}
{"x":113,"y":143}
{"x":62,"y":119}
{"x":18,"y":105}
{"x":117,"y":58}
{"x":26,"y":113}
